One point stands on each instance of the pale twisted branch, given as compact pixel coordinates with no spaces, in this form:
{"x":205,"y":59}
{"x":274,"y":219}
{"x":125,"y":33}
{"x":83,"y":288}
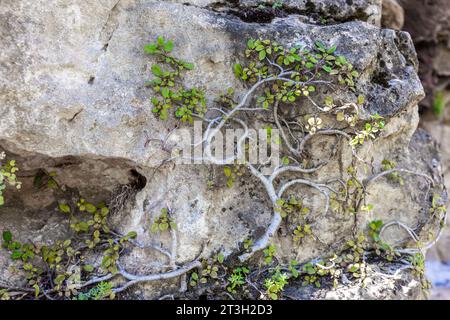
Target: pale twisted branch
{"x":318,"y":187}
{"x":409,"y":230}
{"x":134,"y":279}
{"x":321,"y":132}
{"x":387,"y":172}
{"x":268,"y":181}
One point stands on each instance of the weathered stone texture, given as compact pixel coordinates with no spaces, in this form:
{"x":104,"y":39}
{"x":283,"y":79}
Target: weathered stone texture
{"x":72,"y":85}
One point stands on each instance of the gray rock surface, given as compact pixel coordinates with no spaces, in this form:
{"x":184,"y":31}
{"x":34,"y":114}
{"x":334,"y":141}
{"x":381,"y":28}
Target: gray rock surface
{"x":72,"y":87}
{"x":428,"y":24}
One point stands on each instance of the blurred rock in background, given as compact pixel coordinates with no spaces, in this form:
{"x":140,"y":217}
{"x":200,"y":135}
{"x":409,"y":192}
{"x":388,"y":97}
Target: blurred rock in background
{"x":428,"y":22}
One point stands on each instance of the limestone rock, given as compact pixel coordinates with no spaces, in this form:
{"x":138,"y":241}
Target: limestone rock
{"x":428,"y":24}
{"x":72,"y":87}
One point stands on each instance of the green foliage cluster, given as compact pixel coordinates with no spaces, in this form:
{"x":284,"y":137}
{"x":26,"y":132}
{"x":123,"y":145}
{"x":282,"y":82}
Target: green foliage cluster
{"x":209,"y":271}
{"x":313,"y":274}
{"x":438,"y":209}
{"x":294,"y":211}
{"x":275,"y":284}
{"x":418,"y":262}
{"x":355,"y":191}
{"x":394,"y":176}
{"x":277,"y":5}
{"x":270,"y":4}
{"x":101,"y":291}
{"x":381,"y":248}
{"x":49,"y":268}
{"x":212,"y":273}
{"x":215,"y":276}
{"x":232,"y":172}
{"x":166,"y":83}
{"x":8,"y":175}
{"x":237,"y":279}
{"x":374,"y":230}
{"x":351,"y":261}
{"x":4,"y":295}
{"x":304,"y":63}
{"x":247,"y":244}
{"x":269,"y":254}
{"x":290,"y":206}
{"x":370,"y":130}
{"x":267,"y":58}
{"x":301,"y":231}
{"x":163,"y":222}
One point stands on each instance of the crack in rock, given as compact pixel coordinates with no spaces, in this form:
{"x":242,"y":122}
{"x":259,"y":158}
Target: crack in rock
{"x":110,"y":26}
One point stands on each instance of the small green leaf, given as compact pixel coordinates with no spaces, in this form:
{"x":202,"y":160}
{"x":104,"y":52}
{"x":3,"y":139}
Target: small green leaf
{"x":327,"y":69}
{"x":36,"y":290}
{"x":155,"y":101}
{"x":262,"y":55}
{"x":150,"y":48}
{"x":237,"y":70}
{"x":88,"y":268}
{"x":7,"y":236}
{"x":51,"y":183}
{"x":104,"y":211}
{"x":259,"y":47}
{"x":361,"y":100}
{"x":132,"y":234}
{"x":163,"y":226}
{"x":189,"y":66}
{"x":156,"y":70}
{"x":154,"y":228}
{"x":16,"y":255}
{"x":165,"y":92}
{"x":168,"y":46}
{"x":64,"y":208}
{"x":227,"y":171}
{"x":90,"y":208}
{"x":331,"y":50}
{"x":106,"y":262}
{"x":59,"y":279}
{"x":320,"y":45}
